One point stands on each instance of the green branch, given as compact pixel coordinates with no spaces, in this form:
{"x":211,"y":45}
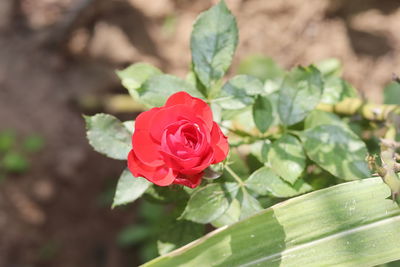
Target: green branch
{"x":369,"y":111}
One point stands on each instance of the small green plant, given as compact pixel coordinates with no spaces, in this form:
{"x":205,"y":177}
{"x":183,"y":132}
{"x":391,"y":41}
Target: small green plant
{"x":290,"y":133}
{"x":14,"y":154}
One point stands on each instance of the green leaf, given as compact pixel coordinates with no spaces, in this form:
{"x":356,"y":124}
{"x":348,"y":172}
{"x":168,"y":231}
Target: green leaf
{"x":261,"y":67}
{"x":248,"y":205}
{"x":253,"y":162}
{"x":351,"y":224}
{"x":213,"y":43}
{"x":167,"y":194}
{"x":299,"y":94}
{"x":391,"y":93}
{"x":239,"y":92}
{"x":14,"y":162}
{"x":130,"y":125}
{"x":108,"y":136}
{"x":178,"y":234}
{"x":213,"y":171}
{"x":337,"y":89}
{"x":230,"y":216}
{"x":242,"y":121}
{"x":265,"y":150}
{"x":287,"y":158}
{"x":319,"y":117}
{"x":209,"y":202}
{"x":274,"y":99}
{"x":330,"y":67}
{"x":156,"y":90}
{"x":262,"y":113}
{"x":260,"y":149}
{"x":135,"y":75}
{"x":337,"y":150}
{"x":7,"y":140}
{"x":265,"y":182}
{"x":33,"y":143}
{"x":133,"y":234}
{"x":237,"y":164}
{"x":129,"y":188}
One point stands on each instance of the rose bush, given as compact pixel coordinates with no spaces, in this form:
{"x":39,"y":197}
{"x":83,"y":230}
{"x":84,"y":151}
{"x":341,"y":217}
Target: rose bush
{"x":173,"y":144}
{"x":285,"y":140}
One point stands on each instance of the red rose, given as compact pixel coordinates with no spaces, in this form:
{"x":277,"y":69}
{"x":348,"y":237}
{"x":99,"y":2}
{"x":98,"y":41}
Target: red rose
{"x":173,"y":144}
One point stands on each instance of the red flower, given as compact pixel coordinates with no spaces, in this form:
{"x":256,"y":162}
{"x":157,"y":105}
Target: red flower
{"x":173,"y":144}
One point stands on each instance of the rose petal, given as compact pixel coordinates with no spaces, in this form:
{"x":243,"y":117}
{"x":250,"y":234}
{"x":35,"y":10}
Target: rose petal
{"x":180,"y":164}
{"x":143,"y":120}
{"x":158,"y":175}
{"x":169,"y":115}
{"x":219,"y":144}
{"x":206,"y":161}
{"x":164,"y":177}
{"x":202,"y":109}
{"x":137,"y":167}
{"x":145,"y":148}
{"x":191,"y":181}
{"x":183,"y":139}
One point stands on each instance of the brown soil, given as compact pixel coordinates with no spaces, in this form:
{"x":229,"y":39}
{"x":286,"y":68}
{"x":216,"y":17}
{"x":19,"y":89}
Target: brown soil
{"x":45,"y":70}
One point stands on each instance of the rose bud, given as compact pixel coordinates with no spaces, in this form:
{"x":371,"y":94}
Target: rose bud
{"x":173,"y":144}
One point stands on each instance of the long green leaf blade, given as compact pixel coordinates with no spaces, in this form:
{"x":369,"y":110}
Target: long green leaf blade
{"x":351,"y":224}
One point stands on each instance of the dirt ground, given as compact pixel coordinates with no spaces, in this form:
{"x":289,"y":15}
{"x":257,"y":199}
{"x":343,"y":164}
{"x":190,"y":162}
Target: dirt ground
{"x":51,"y":58}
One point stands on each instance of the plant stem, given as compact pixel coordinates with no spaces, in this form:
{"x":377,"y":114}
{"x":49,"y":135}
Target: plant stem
{"x":234,"y":175}
{"x":353,"y":106}
{"x":347,"y":107}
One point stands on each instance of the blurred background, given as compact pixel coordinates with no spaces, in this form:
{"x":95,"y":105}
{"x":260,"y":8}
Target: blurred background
{"x":57,"y":59}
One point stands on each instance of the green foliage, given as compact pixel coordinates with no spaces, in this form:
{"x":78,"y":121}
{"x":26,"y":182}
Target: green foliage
{"x":299,"y":94}
{"x":108,"y":136}
{"x":261,"y":67}
{"x":287,"y":158}
{"x":318,"y":117}
{"x":391,"y":93}
{"x":209,"y":202}
{"x":262,"y":113}
{"x":178,"y":234}
{"x":14,"y":163}
{"x":249,"y":205}
{"x":133,"y":77}
{"x":330,"y":67}
{"x":144,"y":231}
{"x":337,"y":226}
{"x":15,"y":153}
{"x":156,"y":90}
{"x":230,"y":216}
{"x":7,"y":140}
{"x":282,"y":145}
{"x":129,"y":188}
{"x":213,"y":43}
{"x":133,"y":234}
{"x":239,"y":92}
{"x":337,"y":150}
{"x":33,"y":143}
{"x":171,"y":194}
{"x":265,"y":182}
{"x":337,"y":89}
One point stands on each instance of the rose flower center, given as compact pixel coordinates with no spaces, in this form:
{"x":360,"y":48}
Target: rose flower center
{"x":182,"y":139}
